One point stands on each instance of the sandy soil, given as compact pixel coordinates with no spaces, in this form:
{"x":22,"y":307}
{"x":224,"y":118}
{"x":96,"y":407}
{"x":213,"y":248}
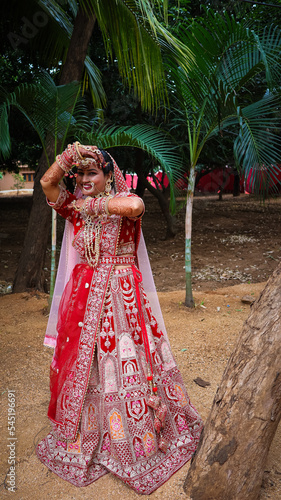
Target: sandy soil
{"x":202,"y":339}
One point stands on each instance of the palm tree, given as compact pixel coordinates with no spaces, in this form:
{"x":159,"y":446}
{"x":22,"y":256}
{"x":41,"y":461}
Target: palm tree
{"x":129,"y":31}
{"x":213,"y":99}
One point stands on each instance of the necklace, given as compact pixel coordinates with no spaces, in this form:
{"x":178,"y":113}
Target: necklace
{"x":93,"y":228}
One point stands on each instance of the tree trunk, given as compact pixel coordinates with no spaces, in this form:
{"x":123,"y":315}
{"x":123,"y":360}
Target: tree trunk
{"x":30,"y":269}
{"x":74,"y":64}
{"x":236,"y":184}
{"x":189,"y":301}
{"x":164,"y":205}
{"x":230,"y":461}
{"x":140,"y":189}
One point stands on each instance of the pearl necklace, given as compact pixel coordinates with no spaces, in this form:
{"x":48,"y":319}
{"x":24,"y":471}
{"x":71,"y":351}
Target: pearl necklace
{"x":93,"y":227}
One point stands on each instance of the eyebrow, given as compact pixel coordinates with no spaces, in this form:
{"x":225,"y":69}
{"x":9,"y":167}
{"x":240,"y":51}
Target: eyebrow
{"x":94,"y":170}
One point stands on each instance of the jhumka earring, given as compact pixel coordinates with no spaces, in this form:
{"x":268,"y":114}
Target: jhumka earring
{"x":108,"y":186}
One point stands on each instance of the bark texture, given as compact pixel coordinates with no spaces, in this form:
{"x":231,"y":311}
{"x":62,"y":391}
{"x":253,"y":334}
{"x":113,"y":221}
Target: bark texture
{"x":30,"y":269}
{"x":30,"y":272}
{"x":230,"y":460}
{"x":74,"y":64}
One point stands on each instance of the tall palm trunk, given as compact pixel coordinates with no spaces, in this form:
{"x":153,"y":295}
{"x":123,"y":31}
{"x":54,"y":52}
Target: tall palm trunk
{"x":29,"y":273}
{"x":189,"y":302}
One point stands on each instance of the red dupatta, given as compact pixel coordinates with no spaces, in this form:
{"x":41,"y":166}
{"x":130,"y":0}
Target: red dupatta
{"x":78,"y":327}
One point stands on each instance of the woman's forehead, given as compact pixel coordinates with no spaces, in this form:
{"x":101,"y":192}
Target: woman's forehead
{"x":89,"y":170}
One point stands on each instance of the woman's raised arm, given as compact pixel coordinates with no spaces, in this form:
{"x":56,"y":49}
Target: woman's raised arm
{"x":50,"y":182}
{"x":131,"y":206}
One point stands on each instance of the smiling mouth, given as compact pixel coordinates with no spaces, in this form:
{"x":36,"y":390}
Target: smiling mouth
{"x":88,"y":187}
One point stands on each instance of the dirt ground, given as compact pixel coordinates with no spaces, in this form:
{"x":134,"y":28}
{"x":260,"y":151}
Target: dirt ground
{"x":236,"y":246}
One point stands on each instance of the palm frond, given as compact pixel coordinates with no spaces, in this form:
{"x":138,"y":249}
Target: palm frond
{"x":257,"y":147}
{"x":51,"y":110}
{"x":230,"y":52}
{"x":229,"y":55}
{"x":53,"y":43}
{"x":5,"y":139}
{"x":93,"y":80}
{"x":134,"y":47}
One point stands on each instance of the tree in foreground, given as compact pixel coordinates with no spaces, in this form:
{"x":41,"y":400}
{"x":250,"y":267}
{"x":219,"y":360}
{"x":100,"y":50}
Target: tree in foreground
{"x":214,"y":98}
{"x":230,"y":460}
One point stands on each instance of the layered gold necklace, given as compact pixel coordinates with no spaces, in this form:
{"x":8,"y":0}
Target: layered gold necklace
{"x":93,"y":228}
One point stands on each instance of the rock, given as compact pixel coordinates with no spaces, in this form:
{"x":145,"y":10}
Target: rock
{"x":248,"y":299}
{"x":201,"y":382}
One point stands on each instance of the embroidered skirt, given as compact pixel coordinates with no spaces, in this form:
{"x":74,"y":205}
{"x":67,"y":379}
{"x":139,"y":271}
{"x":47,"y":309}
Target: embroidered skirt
{"x":117,"y":432}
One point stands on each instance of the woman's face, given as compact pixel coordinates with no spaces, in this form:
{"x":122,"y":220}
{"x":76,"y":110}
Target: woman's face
{"x":91,"y":181}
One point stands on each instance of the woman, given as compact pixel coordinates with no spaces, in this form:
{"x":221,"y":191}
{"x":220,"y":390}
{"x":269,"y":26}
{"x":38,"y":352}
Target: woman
{"x":118,"y":403}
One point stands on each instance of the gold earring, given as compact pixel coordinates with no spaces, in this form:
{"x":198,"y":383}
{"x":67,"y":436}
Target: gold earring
{"x":108,"y":186}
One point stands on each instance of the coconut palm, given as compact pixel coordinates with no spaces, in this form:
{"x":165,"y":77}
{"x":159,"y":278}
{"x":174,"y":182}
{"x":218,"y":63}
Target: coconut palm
{"x":213,"y":97}
{"x":131,"y":31}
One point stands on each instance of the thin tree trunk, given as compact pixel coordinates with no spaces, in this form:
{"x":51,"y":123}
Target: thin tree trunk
{"x":140,"y":189}
{"x":30,"y":269}
{"x":164,"y":205}
{"x":230,"y":461}
{"x":189,"y":302}
{"x":236,"y":184}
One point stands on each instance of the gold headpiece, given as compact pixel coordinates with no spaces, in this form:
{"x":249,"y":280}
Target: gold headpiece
{"x":86,"y":162}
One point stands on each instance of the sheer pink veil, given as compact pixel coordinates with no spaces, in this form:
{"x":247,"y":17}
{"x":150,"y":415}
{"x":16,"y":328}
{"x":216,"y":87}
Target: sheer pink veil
{"x":69,"y":257}
{"x":149,"y":285}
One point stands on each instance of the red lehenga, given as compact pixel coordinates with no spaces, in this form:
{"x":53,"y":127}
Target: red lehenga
{"x":99,"y":390}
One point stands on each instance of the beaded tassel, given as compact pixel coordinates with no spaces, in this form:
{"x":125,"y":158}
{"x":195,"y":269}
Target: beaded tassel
{"x":91,"y":229}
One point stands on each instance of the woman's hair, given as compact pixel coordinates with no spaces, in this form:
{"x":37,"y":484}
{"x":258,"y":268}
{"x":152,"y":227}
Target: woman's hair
{"x":109,"y":163}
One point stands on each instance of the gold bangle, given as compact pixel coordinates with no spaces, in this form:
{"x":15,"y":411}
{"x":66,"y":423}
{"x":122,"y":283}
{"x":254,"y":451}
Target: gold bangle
{"x":61,"y":164}
{"x":109,"y":197}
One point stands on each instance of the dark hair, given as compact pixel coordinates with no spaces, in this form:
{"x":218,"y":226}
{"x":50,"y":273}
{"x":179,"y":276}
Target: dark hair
{"x":109,"y":163}
{"x":69,"y":180}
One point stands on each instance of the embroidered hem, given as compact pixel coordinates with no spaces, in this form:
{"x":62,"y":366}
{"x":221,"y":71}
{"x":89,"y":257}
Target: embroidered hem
{"x":154,"y":473}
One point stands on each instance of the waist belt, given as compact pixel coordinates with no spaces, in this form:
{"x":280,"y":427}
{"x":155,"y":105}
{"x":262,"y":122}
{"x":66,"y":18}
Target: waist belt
{"x":117,"y":259}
